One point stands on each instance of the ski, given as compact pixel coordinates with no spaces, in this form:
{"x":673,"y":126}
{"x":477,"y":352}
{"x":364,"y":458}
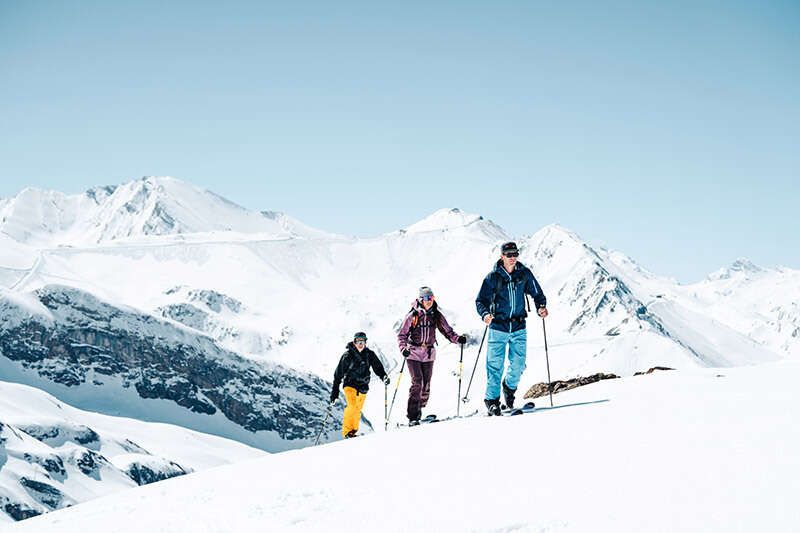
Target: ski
{"x":527,"y":408}
{"x":433,"y":419}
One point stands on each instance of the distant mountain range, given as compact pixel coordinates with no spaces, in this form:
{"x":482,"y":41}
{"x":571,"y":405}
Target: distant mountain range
{"x":160,"y":301}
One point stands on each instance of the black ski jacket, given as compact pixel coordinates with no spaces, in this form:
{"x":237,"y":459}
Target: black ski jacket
{"x":354,"y":367}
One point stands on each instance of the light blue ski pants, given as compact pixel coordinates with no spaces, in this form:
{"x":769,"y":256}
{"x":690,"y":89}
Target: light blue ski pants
{"x":496,"y":358}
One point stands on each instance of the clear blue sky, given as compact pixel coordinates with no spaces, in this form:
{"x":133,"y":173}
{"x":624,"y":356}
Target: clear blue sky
{"x":667,"y":130}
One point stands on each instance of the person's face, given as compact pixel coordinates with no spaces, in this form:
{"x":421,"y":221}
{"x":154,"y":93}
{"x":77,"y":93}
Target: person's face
{"x":360,"y":344}
{"x":427,"y":302}
{"x":510,"y":259}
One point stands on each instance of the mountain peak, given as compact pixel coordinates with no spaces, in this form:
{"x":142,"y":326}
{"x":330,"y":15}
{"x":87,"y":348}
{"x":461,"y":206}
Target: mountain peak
{"x":741,"y":268}
{"x":554,"y":236}
{"x":453,"y":218}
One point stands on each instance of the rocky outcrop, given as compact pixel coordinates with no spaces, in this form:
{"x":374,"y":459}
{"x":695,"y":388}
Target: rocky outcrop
{"x":541,"y":389}
{"x":144,"y":474}
{"x":78,"y":339}
{"x":653,"y":369}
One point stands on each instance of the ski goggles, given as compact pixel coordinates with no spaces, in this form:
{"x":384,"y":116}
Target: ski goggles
{"x":427,"y":298}
{"x":511,"y":254}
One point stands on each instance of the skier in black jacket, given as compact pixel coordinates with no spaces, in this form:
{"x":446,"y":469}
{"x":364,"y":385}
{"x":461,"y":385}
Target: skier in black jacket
{"x":354,"y":369}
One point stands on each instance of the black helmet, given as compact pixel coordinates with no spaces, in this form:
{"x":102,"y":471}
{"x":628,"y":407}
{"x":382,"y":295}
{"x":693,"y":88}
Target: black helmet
{"x":360,"y":335}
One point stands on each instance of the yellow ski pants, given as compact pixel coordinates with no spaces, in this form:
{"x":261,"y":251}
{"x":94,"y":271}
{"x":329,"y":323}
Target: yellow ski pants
{"x":352,"y":413}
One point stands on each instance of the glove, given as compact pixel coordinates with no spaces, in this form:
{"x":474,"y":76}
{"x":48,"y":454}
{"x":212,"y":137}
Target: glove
{"x":385,"y":380}
{"x":462,"y":339}
{"x":334,"y":396}
{"x":406,"y":352}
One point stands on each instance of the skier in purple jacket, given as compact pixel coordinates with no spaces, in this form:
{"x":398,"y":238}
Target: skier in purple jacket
{"x":417,"y":340}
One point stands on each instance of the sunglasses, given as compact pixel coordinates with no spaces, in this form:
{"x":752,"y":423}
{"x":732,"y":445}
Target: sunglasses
{"x":511,"y":254}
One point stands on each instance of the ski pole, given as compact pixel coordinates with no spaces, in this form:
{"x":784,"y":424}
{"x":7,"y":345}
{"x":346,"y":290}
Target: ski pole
{"x":466,"y":396}
{"x":460,"y":371}
{"x":327,"y":414}
{"x":385,"y":407}
{"x":396,"y":387}
{"x":547,"y":358}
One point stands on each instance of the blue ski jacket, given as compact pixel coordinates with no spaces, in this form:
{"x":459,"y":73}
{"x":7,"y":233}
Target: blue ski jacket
{"x":503,"y":295}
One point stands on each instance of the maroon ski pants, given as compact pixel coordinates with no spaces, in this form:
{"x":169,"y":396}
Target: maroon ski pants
{"x":420,"y":386}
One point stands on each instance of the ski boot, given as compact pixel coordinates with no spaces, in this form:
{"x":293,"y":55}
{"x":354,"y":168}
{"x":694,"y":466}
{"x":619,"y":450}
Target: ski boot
{"x":493,"y":406}
{"x":350,"y":434}
{"x":414,"y":422}
{"x":508,"y":395}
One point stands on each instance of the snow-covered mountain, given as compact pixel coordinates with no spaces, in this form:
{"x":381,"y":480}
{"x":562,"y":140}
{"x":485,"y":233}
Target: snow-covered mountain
{"x":53,"y":455}
{"x":159,"y":301}
{"x":146,"y":207}
{"x":97,"y":356}
{"x":267,"y":289}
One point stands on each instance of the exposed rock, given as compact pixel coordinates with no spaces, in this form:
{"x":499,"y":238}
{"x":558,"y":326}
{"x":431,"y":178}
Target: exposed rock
{"x":18,"y":511}
{"x":53,"y":464}
{"x":144,"y":474}
{"x":651,"y":370}
{"x":541,"y":389}
{"x":45,"y":494}
{"x":85,"y":337}
{"x":55,"y":435}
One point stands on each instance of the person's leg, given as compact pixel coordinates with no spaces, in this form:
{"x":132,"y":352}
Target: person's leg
{"x":517,"y":348}
{"x":352,"y":412}
{"x":495,"y":359}
{"x":360,"y":399}
{"x":427,"y":372}
{"x":415,"y":391}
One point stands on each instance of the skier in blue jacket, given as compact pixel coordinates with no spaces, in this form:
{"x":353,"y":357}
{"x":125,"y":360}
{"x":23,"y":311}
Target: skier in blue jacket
{"x":501,"y":304}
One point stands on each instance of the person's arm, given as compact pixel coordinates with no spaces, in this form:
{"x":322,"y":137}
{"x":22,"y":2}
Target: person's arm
{"x":338,"y":374}
{"x":535,"y":290}
{"x":484,"y":300}
{"x":377,"y":366}
{"x":403,"y":334}
{"x":446,"y":330}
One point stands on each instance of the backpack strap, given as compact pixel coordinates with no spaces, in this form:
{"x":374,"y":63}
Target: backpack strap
{"x":498,"y":280}
{"x":414,"y":319}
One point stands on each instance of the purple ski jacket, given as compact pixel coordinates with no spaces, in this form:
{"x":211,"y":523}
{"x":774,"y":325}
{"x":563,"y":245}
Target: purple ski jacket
{"x":421,"y":338}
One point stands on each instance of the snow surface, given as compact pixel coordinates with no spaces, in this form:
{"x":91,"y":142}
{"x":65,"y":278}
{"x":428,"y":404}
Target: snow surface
{"x":694,"y":450}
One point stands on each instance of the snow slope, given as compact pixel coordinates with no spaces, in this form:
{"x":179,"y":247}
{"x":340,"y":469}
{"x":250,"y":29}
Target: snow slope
{"x":53,"y":455}
{"x":694,"y":450}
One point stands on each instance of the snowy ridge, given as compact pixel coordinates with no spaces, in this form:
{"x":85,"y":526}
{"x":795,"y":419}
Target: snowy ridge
{"x":455,"y":219}
{"x":150,"y":206}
